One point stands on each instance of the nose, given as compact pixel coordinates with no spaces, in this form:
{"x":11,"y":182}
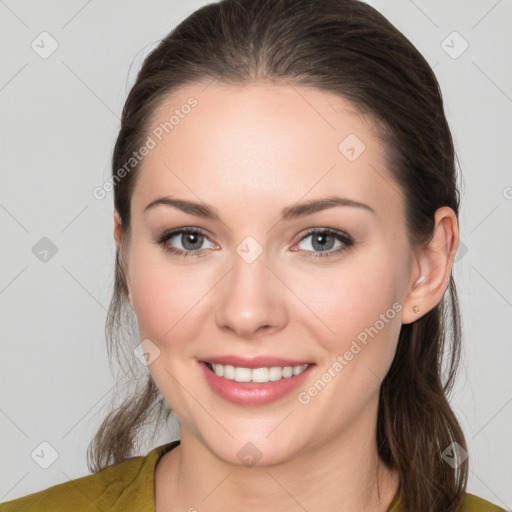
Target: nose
{"x":252,"y":301}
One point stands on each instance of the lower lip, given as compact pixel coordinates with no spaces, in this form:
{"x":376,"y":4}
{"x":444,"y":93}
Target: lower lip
{"x":252,"y":394}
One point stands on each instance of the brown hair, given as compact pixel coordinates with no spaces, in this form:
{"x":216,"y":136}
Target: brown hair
{"x":348,"y":48}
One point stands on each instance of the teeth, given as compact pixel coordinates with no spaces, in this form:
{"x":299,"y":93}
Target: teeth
{"x":260,"y":375}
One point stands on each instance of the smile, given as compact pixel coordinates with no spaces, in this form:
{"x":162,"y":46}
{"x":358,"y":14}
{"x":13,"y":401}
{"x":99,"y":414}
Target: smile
{"x":257,"y":386}
{"x":260,"y":375}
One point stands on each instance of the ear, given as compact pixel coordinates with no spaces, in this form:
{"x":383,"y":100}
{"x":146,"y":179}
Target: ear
{"x":432,"y":266}
{"x":119,"y":238}
{"x":118,"y":229}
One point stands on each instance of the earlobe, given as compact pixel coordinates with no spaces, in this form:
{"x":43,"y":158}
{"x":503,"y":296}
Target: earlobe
{"x":433,"y":267}
{"x":118,"y":228}
{"x":130,"y":302}
{"x":118,"y":236}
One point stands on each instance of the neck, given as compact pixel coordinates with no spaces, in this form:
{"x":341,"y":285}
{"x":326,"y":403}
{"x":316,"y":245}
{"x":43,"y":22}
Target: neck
{"x":344,"y":473}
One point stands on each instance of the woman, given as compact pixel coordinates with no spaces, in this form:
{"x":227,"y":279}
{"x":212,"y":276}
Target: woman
{"x":286,"y":219}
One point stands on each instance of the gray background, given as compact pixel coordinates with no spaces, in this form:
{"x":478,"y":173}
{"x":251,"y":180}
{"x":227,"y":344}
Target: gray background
{"x":59,"y":120}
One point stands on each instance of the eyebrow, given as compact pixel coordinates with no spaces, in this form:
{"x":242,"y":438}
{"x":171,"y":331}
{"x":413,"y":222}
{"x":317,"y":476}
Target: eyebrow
{"x":291,"y":212}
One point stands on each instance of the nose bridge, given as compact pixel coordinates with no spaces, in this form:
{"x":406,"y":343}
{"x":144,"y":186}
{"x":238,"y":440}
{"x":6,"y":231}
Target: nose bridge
{"x":249,"y":298}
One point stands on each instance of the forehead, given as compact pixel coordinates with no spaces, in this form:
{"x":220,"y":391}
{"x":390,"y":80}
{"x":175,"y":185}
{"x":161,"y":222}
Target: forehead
{"x":258,"y":139}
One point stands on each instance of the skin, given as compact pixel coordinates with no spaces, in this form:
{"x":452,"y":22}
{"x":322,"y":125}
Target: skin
{"x":249,"y":151}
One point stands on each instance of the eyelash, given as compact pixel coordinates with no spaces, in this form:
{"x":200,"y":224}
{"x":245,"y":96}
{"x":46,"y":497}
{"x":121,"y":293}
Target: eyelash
{"x":179,"y":253}
{"x":346,"y":240}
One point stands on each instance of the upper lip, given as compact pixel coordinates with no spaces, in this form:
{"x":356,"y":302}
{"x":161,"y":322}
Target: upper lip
{"x":254,"y":362}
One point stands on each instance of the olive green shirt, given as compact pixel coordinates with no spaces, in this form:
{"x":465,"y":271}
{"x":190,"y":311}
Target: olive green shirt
{"x":129,"y":487}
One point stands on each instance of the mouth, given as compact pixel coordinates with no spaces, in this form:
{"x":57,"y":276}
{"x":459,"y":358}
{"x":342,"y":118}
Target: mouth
{"x":260,"y":375}
{"x":257,"y":385}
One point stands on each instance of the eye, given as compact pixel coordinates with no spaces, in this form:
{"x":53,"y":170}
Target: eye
{"x":324,"y":242}
{"x":184,"y":242}
{"x":189,"y":242}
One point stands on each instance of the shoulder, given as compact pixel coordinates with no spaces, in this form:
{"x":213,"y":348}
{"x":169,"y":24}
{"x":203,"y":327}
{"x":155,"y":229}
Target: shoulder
{"x":125,"y":486}
{"x":473,"y":503}
{"x":470,"y":503}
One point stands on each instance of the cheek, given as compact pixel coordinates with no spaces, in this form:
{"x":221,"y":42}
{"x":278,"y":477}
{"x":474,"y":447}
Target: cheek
{"x":357,"y":309}
{"x":360,"y":318}
{"x":166,"y":297}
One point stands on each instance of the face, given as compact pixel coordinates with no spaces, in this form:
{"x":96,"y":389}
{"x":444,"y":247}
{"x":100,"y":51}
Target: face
{"x":261,"y":276}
